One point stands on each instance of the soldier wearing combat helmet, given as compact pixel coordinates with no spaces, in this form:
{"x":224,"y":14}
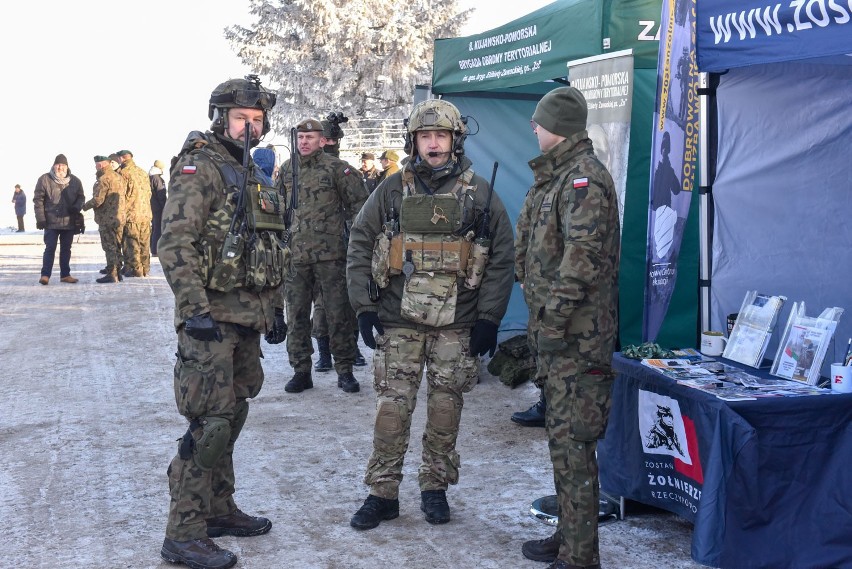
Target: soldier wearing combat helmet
{"x":223,"y":259}
{"x":429,"y":269}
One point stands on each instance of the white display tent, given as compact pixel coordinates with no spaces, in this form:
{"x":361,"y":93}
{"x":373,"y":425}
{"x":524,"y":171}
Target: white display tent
{"x":778,"y":165}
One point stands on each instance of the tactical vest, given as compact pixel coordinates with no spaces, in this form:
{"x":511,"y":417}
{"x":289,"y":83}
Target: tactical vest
{"x":432,"y":248}
{"x":255,"y":255}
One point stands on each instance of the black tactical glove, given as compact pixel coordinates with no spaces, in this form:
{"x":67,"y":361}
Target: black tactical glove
{"x":279,"y":329}
{"x":483,"y":338}
{"x":366,"y":322}
{"x":39,"y":225}
{"x":203,"y":327}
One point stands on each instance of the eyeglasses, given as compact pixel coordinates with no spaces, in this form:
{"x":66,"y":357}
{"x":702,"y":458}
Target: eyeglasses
{"x":534,"y":125}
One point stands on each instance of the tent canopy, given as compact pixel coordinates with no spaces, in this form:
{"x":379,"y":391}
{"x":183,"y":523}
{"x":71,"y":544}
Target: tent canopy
{"x":783,"y":178}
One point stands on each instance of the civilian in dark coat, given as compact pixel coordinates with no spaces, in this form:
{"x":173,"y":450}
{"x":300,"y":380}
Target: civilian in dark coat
{"x":19,"y":198}
{"x":158,"y":202}
{"x":57,"y":195}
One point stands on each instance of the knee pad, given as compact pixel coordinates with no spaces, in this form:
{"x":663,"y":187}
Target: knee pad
{"x":241,"y":410}
{"x":443,"y":412}
{"x":212,"y":443}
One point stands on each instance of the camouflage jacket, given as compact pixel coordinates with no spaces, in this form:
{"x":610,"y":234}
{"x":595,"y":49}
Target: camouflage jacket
{"x":108,"y":199}
{"x":138,"y":196}
{"x":197,"y":191}
{"x":330,"y":194}
{"x":568,"y":245}
{"x":488,"y":302}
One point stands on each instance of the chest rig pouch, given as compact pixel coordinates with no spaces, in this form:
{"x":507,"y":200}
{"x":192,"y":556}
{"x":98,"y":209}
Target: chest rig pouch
{"x":254,"y":255}
{"x":434,"y":255}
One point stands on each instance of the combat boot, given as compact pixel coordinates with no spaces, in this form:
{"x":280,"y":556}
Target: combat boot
{"x":359,"y":358}
{"x":324,"y":360}
{"x":374,"y":511}
{"x":534,"y":416}
{"x":104,"y":271}
{"x":300,"y":382}
{"x":546,"y":549}
{"x":198,"y":554}
{"x":238,"y":524}
{"x":433,"y":503}
{"x":108,"y":278}
{"x":348,"y":383}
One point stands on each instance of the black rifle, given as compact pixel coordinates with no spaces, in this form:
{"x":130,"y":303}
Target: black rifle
{"x":294,"y":191}
{"x":233,"y":245}
{"x":484,"y":233}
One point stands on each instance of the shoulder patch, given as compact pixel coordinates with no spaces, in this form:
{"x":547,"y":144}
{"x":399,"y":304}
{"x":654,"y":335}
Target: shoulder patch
{"x":347,"y":171}
{"x":189,"y":169}
{"x":581,"y":183}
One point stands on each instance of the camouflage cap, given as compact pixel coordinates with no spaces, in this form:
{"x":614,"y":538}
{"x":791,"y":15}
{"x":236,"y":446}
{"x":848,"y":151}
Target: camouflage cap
{"x":309,"y":125}
{"x":389,"y":155}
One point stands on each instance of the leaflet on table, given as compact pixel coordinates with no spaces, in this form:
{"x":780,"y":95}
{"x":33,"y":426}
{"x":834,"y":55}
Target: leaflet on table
{"x":804,"y":344}
{"x":755,"y":322}
{"x":676,"y":368}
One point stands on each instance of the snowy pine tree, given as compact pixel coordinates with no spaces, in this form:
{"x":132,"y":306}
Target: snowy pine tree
{"x":361,"y":57}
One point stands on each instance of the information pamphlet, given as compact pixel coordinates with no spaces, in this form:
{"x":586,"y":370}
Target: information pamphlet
{"x":753,"y":329}
{"x":804,"y":344}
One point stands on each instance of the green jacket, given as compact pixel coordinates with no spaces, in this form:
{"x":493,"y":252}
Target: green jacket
{"x":488,"y":302}
{"x":568,"y":245}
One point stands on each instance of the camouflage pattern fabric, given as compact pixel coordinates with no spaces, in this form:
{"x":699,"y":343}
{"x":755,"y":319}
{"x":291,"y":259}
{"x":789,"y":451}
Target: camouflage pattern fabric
{"x":137,"y":229}
{"x":330,"y":194}
{"x":211,"y":379}
{"x":513,"y":363}
{"x":319,"y":323}
{"x":330,"y":277}
{"x":568,"y":243}
{"x":108,"y":199}
{"x":111,"y":244}
{"x":488,"y":302}
{"x":398,"y":363}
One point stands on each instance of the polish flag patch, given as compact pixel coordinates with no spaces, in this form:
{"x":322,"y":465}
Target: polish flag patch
{"x":191,"y":170}
{"x":581,"y":183}
{"x":347,"y":171}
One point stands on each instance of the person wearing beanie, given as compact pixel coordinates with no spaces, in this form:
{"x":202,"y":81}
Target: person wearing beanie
{"x":568,"y":233}
{"x":158,"y":202}
{"x":58,"y":194}
{"x":108,"y":204}
{"x":369,"y":171}
{"x":388,"y":160}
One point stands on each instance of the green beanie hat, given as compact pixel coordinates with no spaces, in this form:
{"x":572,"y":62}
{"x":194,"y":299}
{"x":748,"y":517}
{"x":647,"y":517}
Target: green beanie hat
{"x":562,"y":111}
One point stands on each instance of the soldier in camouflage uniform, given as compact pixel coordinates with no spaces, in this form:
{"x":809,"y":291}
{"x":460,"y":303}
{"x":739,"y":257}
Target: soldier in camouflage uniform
{"x":568,"y":244}
{"x":137,"y":227}
{"x":108,"y":203}
{"x":429,"y":269}
{"x":330,"y":193}
{"x":226,"y":278}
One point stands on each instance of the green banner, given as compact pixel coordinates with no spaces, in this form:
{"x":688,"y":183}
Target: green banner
{"x":538,"y":46}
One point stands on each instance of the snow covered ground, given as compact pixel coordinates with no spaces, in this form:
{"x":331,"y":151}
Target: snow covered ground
{"x":90,"y":426}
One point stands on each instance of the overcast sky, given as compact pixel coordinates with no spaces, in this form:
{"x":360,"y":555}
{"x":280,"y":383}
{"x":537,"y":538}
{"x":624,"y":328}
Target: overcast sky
{"x":85,"y":78}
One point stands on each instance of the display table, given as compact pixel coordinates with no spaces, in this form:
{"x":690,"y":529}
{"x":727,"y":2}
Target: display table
{"x":767,"y":483}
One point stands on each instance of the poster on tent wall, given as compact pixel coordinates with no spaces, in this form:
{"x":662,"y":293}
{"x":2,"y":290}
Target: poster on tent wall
{"x":674,"y":155}
{"x":606,"y":82}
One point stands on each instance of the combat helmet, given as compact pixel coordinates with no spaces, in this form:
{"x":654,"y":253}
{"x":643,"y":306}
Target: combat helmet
{"x":239,"y":93}
{"x":435,"y":114}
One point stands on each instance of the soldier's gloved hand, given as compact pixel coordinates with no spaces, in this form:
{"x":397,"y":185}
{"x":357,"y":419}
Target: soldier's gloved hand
{"x":39,"y":225}
{"x":279,"y":329}
{"x":203,"y":327}
{"x":483,"y":338}
{"x":367,"y":321}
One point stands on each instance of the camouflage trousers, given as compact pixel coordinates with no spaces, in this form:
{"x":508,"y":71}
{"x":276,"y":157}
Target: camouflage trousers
{"x":133,"y":245}
{"x":211,"y":379}
{"x":319,"y":322}
{"x":145,"y":248}
{"x":111,"y":244}
{"x":579,"y":397}
{"x":398,"y":362}
{"x":330,"y":277}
